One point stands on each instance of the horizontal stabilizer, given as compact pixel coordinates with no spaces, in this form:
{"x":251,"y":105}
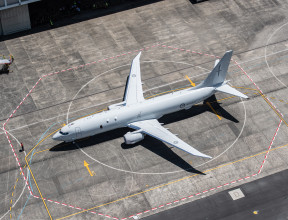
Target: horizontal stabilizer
{"x":229,"y":90}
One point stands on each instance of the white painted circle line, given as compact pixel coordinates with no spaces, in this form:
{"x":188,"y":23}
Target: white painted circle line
{"x":162,"y":173}
{"x":163,"y":45}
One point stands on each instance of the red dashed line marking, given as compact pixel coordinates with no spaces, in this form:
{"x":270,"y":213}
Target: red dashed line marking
{"x":161,"y":206}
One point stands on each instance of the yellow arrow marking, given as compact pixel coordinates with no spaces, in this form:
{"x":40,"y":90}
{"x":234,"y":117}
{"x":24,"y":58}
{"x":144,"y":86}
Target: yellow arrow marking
{"x":191,"y":82}
{"x":87,"y":167}
{"x":214,"y":110}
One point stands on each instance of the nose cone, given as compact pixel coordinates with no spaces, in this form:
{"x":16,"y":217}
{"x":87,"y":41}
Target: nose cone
{"x":57,"y":136}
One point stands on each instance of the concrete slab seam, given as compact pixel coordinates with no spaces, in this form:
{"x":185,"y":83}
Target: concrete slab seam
{"x":220,"y":186}
{"x":15,"y":155}
{"x":30,"y":91}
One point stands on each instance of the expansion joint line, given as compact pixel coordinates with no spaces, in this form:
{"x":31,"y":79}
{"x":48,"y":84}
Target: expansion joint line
{"x":30,"y":91}
{"x":176,"y":201}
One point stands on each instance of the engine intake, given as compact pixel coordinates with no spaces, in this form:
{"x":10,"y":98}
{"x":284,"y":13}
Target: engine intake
{"x":132,"y":138}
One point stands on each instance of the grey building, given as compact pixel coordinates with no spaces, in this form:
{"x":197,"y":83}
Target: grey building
{"x":14,"y":16}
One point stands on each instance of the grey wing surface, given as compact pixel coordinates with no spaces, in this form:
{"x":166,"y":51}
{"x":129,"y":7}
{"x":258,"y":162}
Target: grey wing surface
{"x":154,"y":129}
{"x":134,"y":91}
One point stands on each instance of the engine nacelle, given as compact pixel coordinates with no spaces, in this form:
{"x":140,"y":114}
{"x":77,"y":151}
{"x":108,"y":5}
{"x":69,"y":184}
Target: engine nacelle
{"x":132,"y":138}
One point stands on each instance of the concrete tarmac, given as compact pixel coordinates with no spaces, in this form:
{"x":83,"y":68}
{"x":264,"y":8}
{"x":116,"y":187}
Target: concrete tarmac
{"x":80,"y":69}
{"x":265,"y":199}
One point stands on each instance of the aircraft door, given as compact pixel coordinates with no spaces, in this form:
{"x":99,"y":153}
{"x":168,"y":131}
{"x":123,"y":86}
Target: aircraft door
{"x":78,"y":133}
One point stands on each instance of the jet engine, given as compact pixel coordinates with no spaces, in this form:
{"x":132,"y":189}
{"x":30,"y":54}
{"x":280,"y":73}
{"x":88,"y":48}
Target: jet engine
{"x":132,"y":137}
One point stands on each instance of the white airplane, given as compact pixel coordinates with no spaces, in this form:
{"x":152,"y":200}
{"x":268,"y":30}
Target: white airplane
{"x":140,"y":114}
{"x":6,"y":61}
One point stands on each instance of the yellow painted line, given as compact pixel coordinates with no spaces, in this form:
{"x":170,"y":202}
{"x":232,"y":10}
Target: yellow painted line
{"x":32,"y":172}
{"x":139,"y":192}
{"x":241,"y":87}
{"x":187,"y":177}
{"x":87,"y":167}
{"x":41,"y":142}
{"x":11,"y":201}
{"x":264,"y":97}
{"x":280,"y":116}
{"x":39,"y":190}
{"x":191,"y":82}
{"x":281,"y":100}
{"x":40,"y":151}
{"x":216,"y":113}
{"x":272,"y":97}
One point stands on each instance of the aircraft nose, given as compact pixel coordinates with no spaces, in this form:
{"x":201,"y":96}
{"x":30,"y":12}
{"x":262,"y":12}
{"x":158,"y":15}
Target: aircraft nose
{"x":57,"y":136}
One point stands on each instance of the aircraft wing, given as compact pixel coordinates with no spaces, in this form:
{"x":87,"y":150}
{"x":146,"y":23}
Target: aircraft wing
{"x":134,"y":91}
{"x":154,"y":129}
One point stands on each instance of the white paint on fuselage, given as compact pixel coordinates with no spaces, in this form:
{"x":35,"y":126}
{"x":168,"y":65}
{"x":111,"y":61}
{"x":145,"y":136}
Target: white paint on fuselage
{"x":121,"y":116}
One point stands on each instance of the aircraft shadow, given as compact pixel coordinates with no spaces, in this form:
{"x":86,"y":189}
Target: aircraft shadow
{"x":164,"y":151}
{"x":197,"y":1}
{"x":150,"y":143}
{"x":197,"y":110}
{"x":4,"y":72}
{"x":217,"y":106}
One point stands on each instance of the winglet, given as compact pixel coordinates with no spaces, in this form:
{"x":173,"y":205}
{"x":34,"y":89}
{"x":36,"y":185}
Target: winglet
{"x":203,"y":155}
{"x":138,"y":55}
{"x":133,"y":90}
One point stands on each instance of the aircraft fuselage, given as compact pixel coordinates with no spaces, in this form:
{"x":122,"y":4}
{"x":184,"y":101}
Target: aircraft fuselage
{"x":120,"y":116}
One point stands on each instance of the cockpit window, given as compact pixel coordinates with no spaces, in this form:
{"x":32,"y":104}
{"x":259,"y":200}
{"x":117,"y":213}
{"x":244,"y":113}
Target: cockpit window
{"x":63,"y":133}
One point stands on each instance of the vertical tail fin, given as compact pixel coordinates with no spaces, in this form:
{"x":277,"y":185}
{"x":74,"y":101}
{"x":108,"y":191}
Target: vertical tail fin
{"x":218,"y":74}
